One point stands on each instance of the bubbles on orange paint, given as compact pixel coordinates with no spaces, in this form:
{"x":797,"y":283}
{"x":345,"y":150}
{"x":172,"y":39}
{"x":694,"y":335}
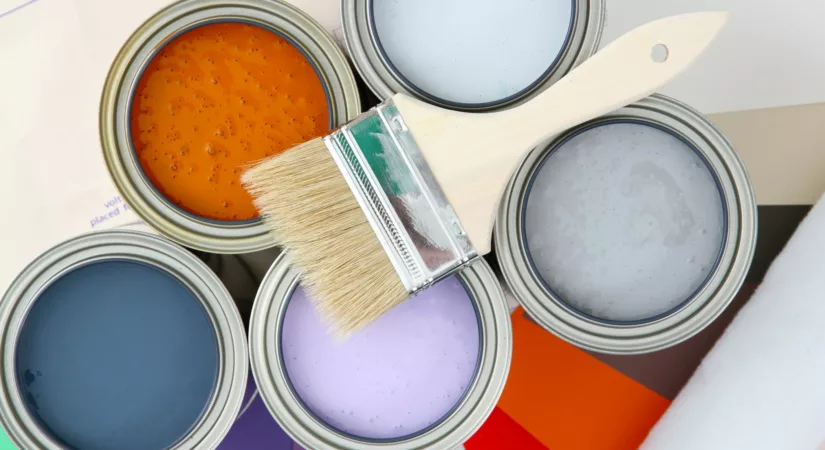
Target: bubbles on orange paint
{"x":254,"y":101}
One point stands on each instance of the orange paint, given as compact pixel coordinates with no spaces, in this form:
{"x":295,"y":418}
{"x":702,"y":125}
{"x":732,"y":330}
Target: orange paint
{"x":568,"y":399}
{"x":215,"y":99}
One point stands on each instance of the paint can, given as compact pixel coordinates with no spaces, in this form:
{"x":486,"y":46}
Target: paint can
{"x":639,"y":236}
{"x":276,"y":357}
{"x":120,"y":338}
{"x":119,"y":150}
{"x":472,"y":56}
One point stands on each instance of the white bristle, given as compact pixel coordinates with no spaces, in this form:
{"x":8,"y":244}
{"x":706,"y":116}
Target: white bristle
{"x":306,"y":201}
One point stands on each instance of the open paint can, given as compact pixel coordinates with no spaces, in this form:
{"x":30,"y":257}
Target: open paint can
{"x":202,"y":90}
{"x":473,"y":55}
{"x":120,"y":339}
{"x":425,"y":375}
{"x":629,"y":233}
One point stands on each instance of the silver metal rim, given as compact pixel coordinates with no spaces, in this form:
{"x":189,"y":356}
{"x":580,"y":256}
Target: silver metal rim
{"x":384,"y":81}
{"x":148,"y":203}
{"x":452,"y":431}
{"x":228,"y":394}
{"x":680,"y":324}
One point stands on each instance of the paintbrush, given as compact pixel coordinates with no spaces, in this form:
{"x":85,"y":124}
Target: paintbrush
{"x":406,"y":194}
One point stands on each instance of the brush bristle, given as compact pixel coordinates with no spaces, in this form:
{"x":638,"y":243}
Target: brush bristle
{"x":306,"y":201}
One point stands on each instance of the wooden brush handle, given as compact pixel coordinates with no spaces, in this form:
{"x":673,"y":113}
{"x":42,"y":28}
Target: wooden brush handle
{"x":473,"y":155}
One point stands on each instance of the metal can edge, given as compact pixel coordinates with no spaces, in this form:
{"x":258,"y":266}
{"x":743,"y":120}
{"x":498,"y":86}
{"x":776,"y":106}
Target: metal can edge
{"x":683,"y":323}
{"x":479,"y":400}
{"x":210,"y":236}
{"x":583,"y":41}
{"x":147,"y":248}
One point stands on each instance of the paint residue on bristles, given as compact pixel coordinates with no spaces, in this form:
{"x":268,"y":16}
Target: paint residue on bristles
{"x":215,"y":99}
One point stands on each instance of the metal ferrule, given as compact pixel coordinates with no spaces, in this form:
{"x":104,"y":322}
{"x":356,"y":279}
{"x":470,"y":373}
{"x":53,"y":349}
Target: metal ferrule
{"x":400,"y":197}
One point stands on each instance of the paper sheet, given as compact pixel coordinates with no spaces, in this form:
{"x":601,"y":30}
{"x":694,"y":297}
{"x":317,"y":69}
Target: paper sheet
{"x":769,"y":54}
{"x":54,"y":57}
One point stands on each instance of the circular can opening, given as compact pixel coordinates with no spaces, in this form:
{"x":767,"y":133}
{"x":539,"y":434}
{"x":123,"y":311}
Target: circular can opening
{"x":214,"y":99}
{"x":396,"y":378}
{"x":120,"y":339}
{"x":472,"y":53}
{"x":424,"y":375}
{"x":624,"y":221}
{"x":117,"y":354}
{"x":199,"y":92}
{"x":630,"y":233}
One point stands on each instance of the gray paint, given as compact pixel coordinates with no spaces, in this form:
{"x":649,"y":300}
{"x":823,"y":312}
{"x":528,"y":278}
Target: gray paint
{"x":117,"y":355}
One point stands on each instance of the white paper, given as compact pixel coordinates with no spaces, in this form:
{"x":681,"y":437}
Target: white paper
{"x":54,"y":57}
{"x":771,"y":53}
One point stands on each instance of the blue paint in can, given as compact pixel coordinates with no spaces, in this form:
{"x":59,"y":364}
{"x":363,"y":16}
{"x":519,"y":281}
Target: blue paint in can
{"x":117,"y":355}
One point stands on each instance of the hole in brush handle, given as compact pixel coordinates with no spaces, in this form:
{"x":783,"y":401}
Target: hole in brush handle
{"x":659,"y":53}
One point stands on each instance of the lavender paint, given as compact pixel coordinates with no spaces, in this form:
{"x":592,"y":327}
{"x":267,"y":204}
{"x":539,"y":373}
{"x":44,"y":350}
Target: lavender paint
{"x":396,"y":377}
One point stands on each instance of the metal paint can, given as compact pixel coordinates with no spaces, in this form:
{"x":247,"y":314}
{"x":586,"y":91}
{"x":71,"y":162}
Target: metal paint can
{"x":147,"y":250}
{"x":385,"y":79}
{"x":279,"y":17}
{"x":309,"y":431}
{"x":691,"y":315}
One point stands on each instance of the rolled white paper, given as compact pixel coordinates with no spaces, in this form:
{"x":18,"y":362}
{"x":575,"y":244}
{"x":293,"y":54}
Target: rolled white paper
{"x":762,"y":386}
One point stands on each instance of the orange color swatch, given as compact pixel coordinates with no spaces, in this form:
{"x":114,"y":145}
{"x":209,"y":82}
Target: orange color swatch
{"x":569,"y":400}
{"x":215,"y":99}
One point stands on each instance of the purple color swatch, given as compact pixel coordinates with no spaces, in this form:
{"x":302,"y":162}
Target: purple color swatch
{"x":255,"y":429}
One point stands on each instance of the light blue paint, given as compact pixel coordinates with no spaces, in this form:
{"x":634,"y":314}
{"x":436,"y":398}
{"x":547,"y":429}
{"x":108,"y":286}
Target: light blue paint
{"x":117,"y":355}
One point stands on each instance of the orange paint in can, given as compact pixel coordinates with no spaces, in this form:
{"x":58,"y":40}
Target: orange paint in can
{"x":214,"y":100}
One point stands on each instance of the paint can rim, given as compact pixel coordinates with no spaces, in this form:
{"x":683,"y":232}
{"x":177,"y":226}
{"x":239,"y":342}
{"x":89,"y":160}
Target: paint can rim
{"x":695,"y":313}
{"x":587,"y":23}
{"x":278,"y":16}
{"x":449,"y":432}
{"x":159,"y":253}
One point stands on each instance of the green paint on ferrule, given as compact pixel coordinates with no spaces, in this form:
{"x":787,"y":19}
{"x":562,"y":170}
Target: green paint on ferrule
{"x":383,"y":156}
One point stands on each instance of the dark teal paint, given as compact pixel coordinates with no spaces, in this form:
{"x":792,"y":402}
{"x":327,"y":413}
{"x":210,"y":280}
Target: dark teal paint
{"x":117,"y":355}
